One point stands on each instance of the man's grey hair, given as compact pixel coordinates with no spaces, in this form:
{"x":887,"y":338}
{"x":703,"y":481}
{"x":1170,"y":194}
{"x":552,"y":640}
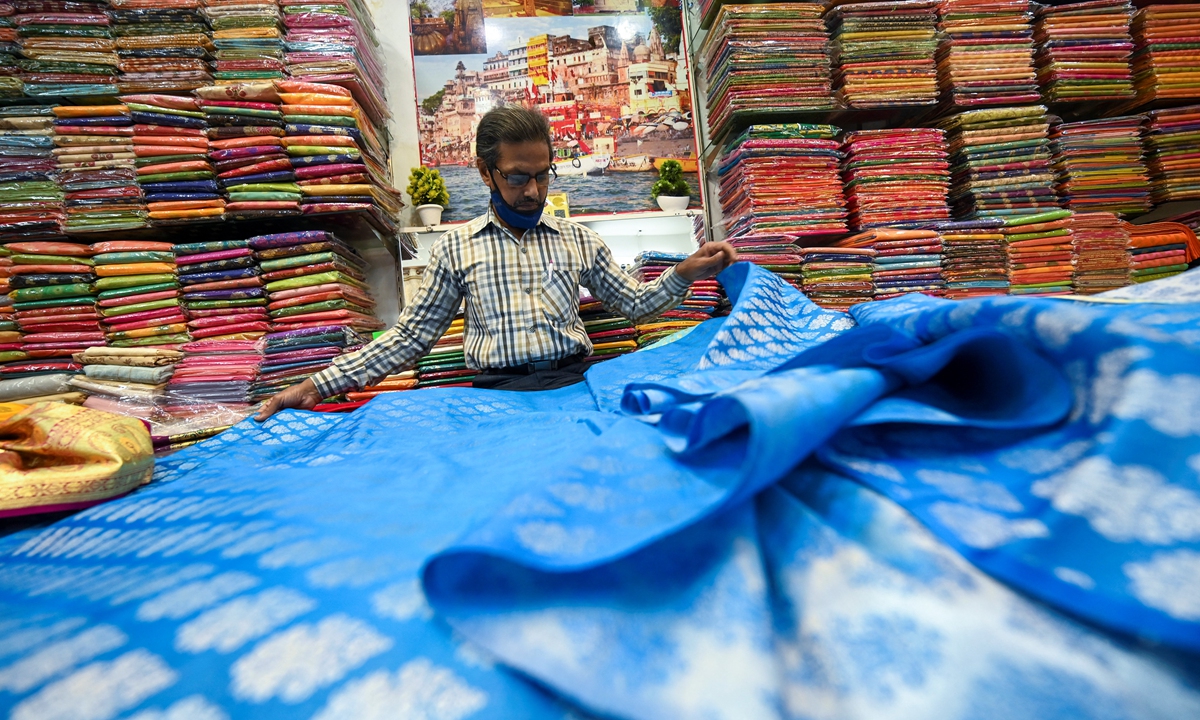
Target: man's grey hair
{"x":510,"y":124}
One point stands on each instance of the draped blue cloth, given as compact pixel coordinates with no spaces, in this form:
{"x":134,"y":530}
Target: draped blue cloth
{"x":928,"y":509}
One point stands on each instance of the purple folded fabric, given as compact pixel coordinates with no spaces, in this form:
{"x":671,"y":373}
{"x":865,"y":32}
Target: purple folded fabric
{"x":263,"y":242}
{"x":269,"y":177}
{"x":210,"y":256}
{"x":305,"y":332}
{"x":238,"y":294}
{"x":305,"y":354}
{"x":236,"y":274}
{"x":245,"y":152}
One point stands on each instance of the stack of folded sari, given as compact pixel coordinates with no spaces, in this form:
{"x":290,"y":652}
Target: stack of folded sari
{"x":838,"y":278}
{"x":53,"y":298}
{"x":67,"y":48}
{"x":164,"y":45}
{"x":884,"y":53}
{"x":782,"y":180}
{"x":763,"y":60}
{"x":986,"y":53}
{"x":704,"y":296}
{"x":10,"y":54}
{"x":125,"y":381}
{"x":223,"y":295}
{"x":396,"y":382}
{"x":214,"y":371}
{"x":338,"y":155}
{"x":1166,"y":64}
{"x":1160,"y":250}
{"x":313,"y":279}
{"x":974,"y":258}
{"x":292,"y":356}
{"x":31,"y":200}
{"x":612,"y":335}
{"x":170,"y":141}
{"x":905,"y":260}
{"x":1173,"y":146}
{"x":1084,"y":50}
{"x":1101,"y":252}
{"x":245,"y":125}
{"x":896,"y":177}
{"x":138,"y":293}
{"x":98,"y":168}
{"x":1000,"y":162}
{"x":248,"y":36}
{"x":1100,"y":165}
{"x":336,"y":42}
{"x":445,"y":364}
{"x":1040,"y":253}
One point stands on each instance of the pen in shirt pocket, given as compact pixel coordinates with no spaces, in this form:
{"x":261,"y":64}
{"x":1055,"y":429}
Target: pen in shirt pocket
{"x":549,"y":271}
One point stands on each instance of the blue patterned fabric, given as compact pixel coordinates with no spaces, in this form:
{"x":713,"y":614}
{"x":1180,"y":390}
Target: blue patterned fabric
{"x":933,"y":509}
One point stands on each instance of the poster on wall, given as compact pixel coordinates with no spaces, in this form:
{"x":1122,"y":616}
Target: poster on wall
{"x":613,"y":85}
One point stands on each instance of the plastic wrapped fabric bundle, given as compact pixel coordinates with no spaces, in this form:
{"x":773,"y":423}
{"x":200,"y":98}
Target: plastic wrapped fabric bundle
{"x":1173,"y":146}
{"x":1102,"y":257}
{"x":701,"y":303}
{"x":97,"y":164}
{"x":611,"y":334}
{"x":1100,"y":165}
{"x":1084,"y":51}
{"x":986,"y":53}
{"x":53,"y":299}
{"x":216,"y":371}
{"x":338,"y":156}
{"x":904,"y":261}
{"x":248,"y":156}
{"x":163,"y":46}
{"x":1166,"y":62}
{"x":67,"y":49}
{"x":974,"y":258}
{"x":1160,"y":250}
{"x":31,"y":199}
{"x":1041,"y":253}
{"x":172,"y":146}
{"x":896,"y":177}
{"x":248,"y":36}
{"x":20,"y":389}
{"x":140,"y":305}
{"x":221,"y":289}
{"x":884,"y":53}
{"x":336,"y":43}
{"x":292,"y":356}
{"x":837,"y":278}
{"x":1000,"y":162}
{"x":766,"y":59}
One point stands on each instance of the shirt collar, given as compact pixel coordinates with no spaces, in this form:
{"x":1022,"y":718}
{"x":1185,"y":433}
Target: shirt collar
{"x":489,"y":218}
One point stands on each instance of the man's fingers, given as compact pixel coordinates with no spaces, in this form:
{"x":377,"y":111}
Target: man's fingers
{"x":269,"y":409}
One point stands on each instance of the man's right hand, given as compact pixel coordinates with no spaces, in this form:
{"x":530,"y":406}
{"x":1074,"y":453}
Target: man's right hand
{"x":298,"y":397}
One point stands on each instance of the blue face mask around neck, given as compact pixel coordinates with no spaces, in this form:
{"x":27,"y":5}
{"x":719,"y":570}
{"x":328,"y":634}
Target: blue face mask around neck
{"x":512,"y":216}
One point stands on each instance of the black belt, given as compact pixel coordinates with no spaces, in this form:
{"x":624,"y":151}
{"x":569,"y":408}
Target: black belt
{"x":541,"y":365}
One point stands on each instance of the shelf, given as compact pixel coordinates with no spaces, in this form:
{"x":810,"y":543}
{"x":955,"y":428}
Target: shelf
{"x":362,"y":226}
{"x":583,"y":219}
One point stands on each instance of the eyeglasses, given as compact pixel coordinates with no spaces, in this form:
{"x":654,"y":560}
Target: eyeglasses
{"x":520,"y":180}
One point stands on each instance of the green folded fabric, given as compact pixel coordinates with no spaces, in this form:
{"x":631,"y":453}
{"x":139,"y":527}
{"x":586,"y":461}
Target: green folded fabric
{"x":236,"y":196}
{"x":137,"y":290}
{"x":139,"y":307}
{"x":53,"y":303}
{"x":339,"y":120}
{"x":310,"y":280}
{"x":128,"y":281}
{"x":25,"y":259}
{"x":52,"y":291}
{"x":264,"y":187}
{"x":1050,"y":216}
{"x":246,"y":112}
{"x":210,"y":246}
{"x":299,"y":261}
{"x":1038,"y":235}
{"x":177,"y":339}
{"x":164,"y":110}
{"x":133,"y":257}
{"x":322,"y":306}
{"x":10,"y":355}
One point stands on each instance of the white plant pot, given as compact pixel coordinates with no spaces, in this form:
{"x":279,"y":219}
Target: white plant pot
{"x":673,"y":203}
{"x":430,"y":215}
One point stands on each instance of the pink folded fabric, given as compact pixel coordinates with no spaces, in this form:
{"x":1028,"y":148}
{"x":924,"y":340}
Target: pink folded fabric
{"x":210,"y":256}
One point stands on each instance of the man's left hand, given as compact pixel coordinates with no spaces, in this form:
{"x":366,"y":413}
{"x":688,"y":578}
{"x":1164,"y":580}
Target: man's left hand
{"x":706,"y":262}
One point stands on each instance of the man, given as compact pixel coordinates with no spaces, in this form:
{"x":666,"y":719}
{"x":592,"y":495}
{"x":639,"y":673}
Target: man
{"x":519,"y":273}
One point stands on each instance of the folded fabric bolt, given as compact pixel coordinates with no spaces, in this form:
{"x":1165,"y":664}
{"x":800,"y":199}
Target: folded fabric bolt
{"x":125,"y":373}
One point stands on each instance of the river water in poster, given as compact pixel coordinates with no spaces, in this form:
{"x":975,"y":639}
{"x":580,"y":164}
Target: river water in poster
{"x":611,"y":192}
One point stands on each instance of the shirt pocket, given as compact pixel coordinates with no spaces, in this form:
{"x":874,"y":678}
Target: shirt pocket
{"x":560,"y":296}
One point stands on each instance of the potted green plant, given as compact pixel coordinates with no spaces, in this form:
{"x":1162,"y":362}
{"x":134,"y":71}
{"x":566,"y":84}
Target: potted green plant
{"x":671,"y":190}
{"x":428,"y":192}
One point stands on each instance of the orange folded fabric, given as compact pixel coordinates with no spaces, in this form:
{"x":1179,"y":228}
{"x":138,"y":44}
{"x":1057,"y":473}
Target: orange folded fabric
{"x":134,"y":269}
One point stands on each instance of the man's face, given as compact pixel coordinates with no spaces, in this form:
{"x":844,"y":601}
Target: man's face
{"x":529,"y":159}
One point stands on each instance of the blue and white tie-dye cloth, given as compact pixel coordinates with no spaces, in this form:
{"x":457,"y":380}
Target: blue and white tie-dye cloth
{"x":952,"y":510}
